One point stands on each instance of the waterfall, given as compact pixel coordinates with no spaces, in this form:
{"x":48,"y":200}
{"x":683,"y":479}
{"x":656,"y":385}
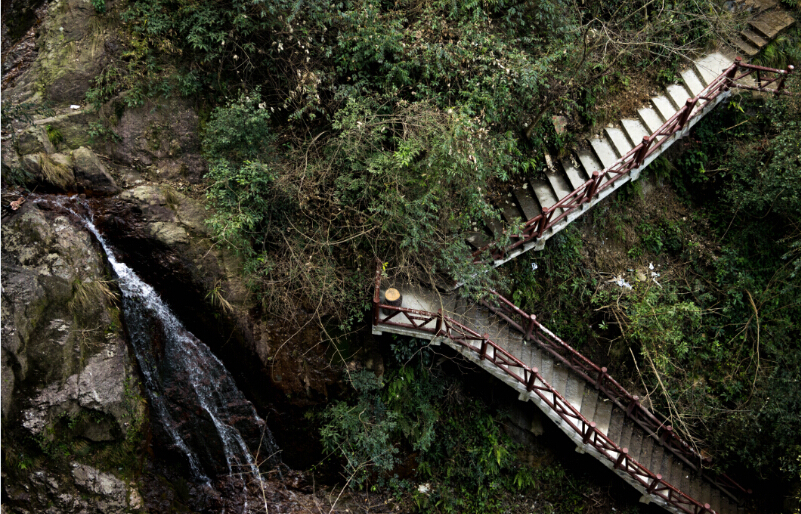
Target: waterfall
{"x":193,"y":397}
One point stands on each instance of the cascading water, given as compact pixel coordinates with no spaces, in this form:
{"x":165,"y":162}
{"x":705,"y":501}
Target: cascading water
{"x":195,"y":400}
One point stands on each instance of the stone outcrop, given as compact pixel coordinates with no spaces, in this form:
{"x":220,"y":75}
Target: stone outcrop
{"x":68,"y":378}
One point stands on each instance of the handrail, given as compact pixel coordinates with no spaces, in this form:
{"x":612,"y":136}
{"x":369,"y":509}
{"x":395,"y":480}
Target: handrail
{"x":533,"y":381}
{"x":534,"y":228}
{"x":657,"y":428}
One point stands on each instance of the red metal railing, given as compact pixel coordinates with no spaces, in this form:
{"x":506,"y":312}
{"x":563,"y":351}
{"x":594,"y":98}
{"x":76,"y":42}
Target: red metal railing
{"x":655,"y":426}
{"x":634,"y":158}
{"x":487,"y":350}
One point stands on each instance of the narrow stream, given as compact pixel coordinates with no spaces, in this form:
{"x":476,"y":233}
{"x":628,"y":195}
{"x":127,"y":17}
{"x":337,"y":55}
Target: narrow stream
{"x":193,"y":398}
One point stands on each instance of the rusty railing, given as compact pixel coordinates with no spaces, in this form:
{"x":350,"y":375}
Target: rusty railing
{"x":487,"y":350}
{"x":534,"y":228}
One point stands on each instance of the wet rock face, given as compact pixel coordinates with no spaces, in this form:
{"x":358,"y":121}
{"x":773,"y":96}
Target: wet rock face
{"x":66,"y":369}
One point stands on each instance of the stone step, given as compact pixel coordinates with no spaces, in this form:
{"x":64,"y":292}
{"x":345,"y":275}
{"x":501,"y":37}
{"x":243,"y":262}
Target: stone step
{"x":544,"y":193}
{"x":771,"y":24}
{"x":678,"y":95}
{"x":664,"y":107}
{"x":691,"y":81}
{"x":511,"y":214}
{"x":620,"y":142}
{"x":635,"y":130}
{"x":745,"y":46}
{"x":604,"y":151}
{"x":603,"y":415}
{"x":754,"y":39}
{"x":650,"y":119}
{"x":574,"y":171}
{"x":525,"y":200}
{"x":558,"y":180}
{"x":710,"y":66}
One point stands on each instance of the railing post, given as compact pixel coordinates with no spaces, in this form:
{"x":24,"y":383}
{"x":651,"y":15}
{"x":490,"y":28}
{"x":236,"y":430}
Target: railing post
{"x":620,"y":458}
{"x":543,"y":223}
{"x":688,"y":109}
{"x":655,"y":482}
{"x":484,"y":346}
{"x":667,"y":432}
{"x":784,"y":77}
{"x":531,"y":378}
{"x":530,"y":327}
{"x":731,"y":74}
{"x":599,"y":382}
{"x":635,"y":402}
{"x":590,"y":192}
{"x":439,"y":322}
{"x":641,"y":153}
{"x":589,"y":432}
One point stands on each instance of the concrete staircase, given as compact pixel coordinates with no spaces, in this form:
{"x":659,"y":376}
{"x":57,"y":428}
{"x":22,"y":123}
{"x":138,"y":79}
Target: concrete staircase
{"x":610,"y":420}
{"x":529,"y":196}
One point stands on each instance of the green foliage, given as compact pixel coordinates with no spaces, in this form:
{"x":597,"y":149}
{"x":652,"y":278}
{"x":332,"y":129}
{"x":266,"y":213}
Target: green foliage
{"x":99,"y":5}
{"x":54,"y":135}
{"x":239,"y":131}
{"x":360,"y":434}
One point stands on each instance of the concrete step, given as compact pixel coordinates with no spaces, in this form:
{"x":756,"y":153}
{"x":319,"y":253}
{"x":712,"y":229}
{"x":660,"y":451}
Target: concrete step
{"x":624,"y":437}
{"x":536,"y":356}
{"x":620,"y":142}
{"x":771,"y":24}
{"x":754,"y":39}
{"x":710,"y":66}
{"x":646,"y":450}
{"x":603,"y":415}
{"x":546,"y":370}
{"x":657,"y":456}
{"x":589,"y":401}
{"x":560,"y":379}
{"x":635,"y":443}
{"x":635,"y":130}
{"x":673,"y":471}
{"x":588,"y":161}
{"x":745,"y":46}
{"x":616,"y":426}
{"x":575,"y":390}
{"x":650,"y":119}
{"x":706,"y":492}
{"x":691,"y":81}
{"x":678,"y":95}
{"x":695,"y":489}
{"x":494,"y":226}
{"x":664,"y":107}
{"x":525,"y":200}
{"x":714,"y":500}
{"x":558,"y":180}
{"x":511,"y":214}
{"x":544,"y":193}
{"x":574,"y":171}
{"x":604,"y":151}
{"x":477,"y":239}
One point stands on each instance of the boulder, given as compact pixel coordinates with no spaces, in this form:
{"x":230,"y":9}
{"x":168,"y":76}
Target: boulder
{"x":90,"y":174}
{"x":52,"y":173}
